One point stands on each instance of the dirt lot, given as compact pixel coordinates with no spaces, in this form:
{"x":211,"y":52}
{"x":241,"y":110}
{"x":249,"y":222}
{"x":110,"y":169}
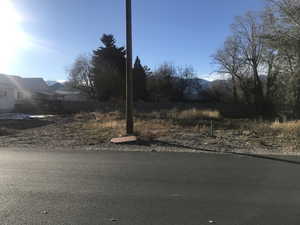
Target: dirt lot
{"x":171,"y":131}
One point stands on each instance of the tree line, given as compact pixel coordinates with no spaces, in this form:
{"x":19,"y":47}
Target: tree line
{"x":262,"y":58}
{"x":103,"y":76}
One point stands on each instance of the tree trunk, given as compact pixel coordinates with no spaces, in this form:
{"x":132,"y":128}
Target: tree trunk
{"x":234,"y":90}
{"x":258,"y":91}
{"x":246,"y":92}
{"x":269,"y":82}
{"x":297,"y":83}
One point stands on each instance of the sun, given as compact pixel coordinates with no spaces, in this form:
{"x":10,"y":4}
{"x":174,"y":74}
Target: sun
{"x":12,"y":38}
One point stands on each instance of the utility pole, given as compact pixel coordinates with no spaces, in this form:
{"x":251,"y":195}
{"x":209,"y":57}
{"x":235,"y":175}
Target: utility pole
{"x":129,"y":76}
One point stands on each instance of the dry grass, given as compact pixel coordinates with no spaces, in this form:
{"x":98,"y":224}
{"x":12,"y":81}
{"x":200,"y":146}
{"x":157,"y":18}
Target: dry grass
{"x":284,"y":134}
{"x":108,"y":128}
{"x":291,"y":128}
{"x":5,"y":131}
{"x":185,"y":127}
{"x":151,"y":129}
{"x":281,"y":129}
{"x":289,"y":134}
{"x":155,"y":125}
{"x":147,"y":125}
{"x":194,"y":114}
{"x":192,"y":118}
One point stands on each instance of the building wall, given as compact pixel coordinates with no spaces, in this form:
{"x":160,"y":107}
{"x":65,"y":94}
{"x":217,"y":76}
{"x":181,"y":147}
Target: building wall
{"x":7,"y":98}
{"x":21,"y":94}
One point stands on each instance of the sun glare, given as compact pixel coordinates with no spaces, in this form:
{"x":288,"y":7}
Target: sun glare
{"x":12,"y":37}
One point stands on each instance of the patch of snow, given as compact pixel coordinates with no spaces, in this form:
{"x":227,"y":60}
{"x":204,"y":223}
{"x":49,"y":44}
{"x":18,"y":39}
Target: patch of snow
{"x":22,"y":116}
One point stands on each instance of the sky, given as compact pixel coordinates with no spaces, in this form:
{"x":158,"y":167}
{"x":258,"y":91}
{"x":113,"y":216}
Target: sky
{"x":42,"y":38}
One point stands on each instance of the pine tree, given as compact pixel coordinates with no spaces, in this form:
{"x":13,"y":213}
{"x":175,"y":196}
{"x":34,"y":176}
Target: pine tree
{"x":109,"y":65}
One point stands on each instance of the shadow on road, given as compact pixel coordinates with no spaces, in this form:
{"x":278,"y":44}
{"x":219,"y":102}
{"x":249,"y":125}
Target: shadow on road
{"x":175,"y":145}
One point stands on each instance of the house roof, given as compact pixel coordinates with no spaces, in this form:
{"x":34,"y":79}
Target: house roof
{"x":32,"y":84}
{"x":35,"y":84}
{"x":9,"y":80}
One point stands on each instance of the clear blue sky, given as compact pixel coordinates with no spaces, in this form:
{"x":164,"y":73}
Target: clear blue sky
{"x":185,"y":32}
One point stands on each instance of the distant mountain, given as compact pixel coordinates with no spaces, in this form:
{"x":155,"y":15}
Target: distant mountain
{"x":204,"y":83}
{"x":199,"y":83}
{"x":56,"y":86}
{"x":196,"y":86}
{"x":52,"y":82}
{"x":220,"y":82}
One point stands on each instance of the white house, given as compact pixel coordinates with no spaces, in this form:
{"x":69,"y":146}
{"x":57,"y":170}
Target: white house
{"x":7,"y":97}
{"x":15,"y":88}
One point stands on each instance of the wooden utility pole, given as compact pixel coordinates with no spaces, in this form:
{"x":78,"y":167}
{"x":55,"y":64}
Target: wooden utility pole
{"x":129,"y":76}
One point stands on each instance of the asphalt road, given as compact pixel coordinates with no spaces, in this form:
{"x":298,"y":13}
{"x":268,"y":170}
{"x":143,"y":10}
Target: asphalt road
{"x":39,"y":188}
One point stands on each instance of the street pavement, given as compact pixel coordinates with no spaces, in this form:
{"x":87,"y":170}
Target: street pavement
{"x":140,"y":188}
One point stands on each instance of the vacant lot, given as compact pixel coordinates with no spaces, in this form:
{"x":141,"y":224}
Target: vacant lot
{"x":158,"y":130}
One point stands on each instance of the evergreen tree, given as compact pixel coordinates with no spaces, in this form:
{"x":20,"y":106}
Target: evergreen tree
{"x":109,"y":68}
{"x":139,"y":81}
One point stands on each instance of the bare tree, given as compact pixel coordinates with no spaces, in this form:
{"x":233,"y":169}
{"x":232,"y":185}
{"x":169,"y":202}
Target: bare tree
{"x":283,"y":17}
{"x":263,"y":56}
{"x":81,"y":76}
{"x":283,"y":22}
{"x":230,"y":62}
{"x":185,"y":82}
{"x":249,"y":30}
{"x":288,"y":9}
